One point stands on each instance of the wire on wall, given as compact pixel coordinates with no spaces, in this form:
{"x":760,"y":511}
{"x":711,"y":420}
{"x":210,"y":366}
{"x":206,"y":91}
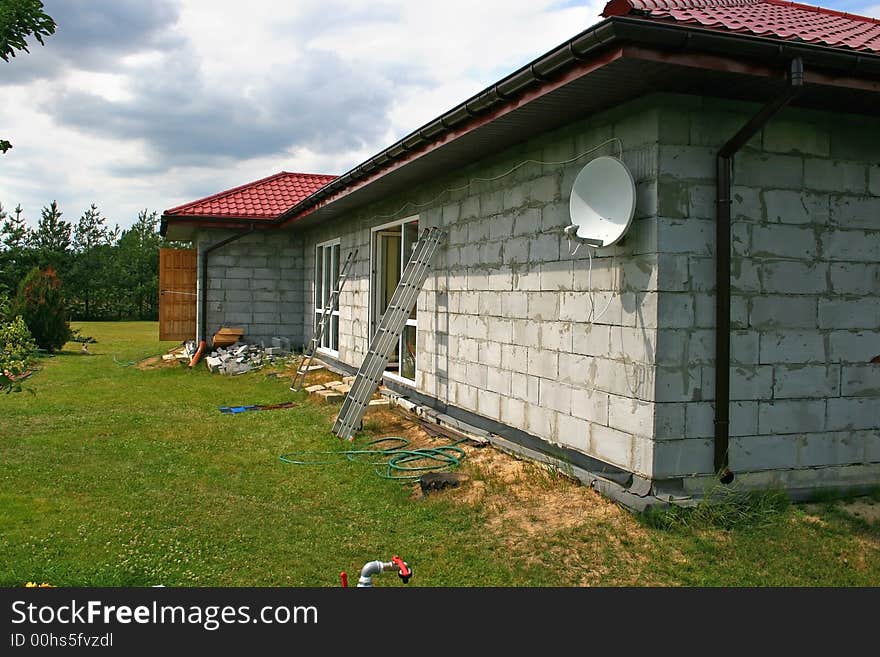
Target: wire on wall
{"x":416,"y":206}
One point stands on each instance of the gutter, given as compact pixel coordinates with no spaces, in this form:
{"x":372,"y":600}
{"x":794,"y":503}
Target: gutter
{"x":203,"y":333}
{"x":723,"y":182}
{"x":617,"y":30}
{"x":579,"y":50}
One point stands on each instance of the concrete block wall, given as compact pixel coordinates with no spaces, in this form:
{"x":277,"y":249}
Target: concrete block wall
{"x":805,"y":304}
{"x":504,"y":324}
{"x":255,"y":283}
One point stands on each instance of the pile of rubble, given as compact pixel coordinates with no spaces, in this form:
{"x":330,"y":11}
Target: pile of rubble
{"x":239,"y":358}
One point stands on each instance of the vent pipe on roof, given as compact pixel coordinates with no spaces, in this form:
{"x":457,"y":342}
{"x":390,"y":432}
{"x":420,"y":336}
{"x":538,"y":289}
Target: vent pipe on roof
{"x":203,"y":330}
{"x":723,"y":168}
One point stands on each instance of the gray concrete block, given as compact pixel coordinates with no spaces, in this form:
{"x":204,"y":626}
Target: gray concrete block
{"x":498,"y":381}
{"x":514,"y":358}
{"x":542,"y":190}
{"x":699,"y":420}
{"x":783,"y":136}
{"x":573,"y":432}
{"x":744,"y":275}
{"x":683,"y":458}
{"x":744,"y":347}
{"x":540,"y":421}
{"x":555,"y":396}
{"x":743,"y":418}
{"x":501,"y":226}
{"x":785,"y":416}
{"x":526,"y":332}
{"x":793,"y":346}
{"x":524,"y":386}
{"x":874,"y":180}
{"x":543,"y":363}
{"x":543,"y":306}
{"x":795,"y":207}
{"x":852,"y":245}
{"x":687,"y":162}
{"x":631,"y":415}
{"x":465,"y":396}
{"x":863,"y":313}
{"x":513,"y":412}
{"x":693,"y":236}
{"x":831,"y":448}
{"x":515,"y":250}
{"x":590,"y":404}
{"x":861,"y":380}
{"x":755,"y":453}
{"x":754,"y":382}
{"x":678,"y":383}
{"x":854,"y":346}
{"x":855,"y":211}
{"x":669,"y":421}
{"x":611,"y":445}
{"x":769,"y":171}
{"x":675,"y":310}
{"x":556,"y":336}
{"x":835,"y":176}
{"x":784,"y":241}
{"x":854,"y":278}
{"x":489,"y":404}
{"x":591,"y":339}
{"x":555,"y":276}
{"x":806,"y":381}
{"x":239,"y":272}
{"x":853,"y":413}
{"x":545,"y":247}
{"x":769,"y":312}
{"x":792,"y":277}
{"x":514,"y":304}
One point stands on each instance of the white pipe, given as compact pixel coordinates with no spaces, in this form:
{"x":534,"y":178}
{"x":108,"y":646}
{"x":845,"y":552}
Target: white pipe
{"x":371,"y":568}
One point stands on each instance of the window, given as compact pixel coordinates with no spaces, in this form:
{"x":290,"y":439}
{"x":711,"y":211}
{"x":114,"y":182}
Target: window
{"x":392,"y":246}
{"x":326,"y":278}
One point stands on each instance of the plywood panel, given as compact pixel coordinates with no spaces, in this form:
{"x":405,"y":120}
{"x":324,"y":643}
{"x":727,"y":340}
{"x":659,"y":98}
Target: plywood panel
{"x":177,"y":294}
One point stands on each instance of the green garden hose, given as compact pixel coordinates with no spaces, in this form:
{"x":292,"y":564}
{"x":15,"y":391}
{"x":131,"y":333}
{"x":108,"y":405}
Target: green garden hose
{"x":397,"y":462}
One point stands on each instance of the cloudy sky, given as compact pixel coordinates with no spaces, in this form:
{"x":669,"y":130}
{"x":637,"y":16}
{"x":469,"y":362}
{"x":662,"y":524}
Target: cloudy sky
{"x":135,"y":104}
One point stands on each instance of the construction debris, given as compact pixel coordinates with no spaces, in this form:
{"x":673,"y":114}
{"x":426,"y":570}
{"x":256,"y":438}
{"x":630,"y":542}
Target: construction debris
{"x":227,"y":336}
{"x":237,"y":358}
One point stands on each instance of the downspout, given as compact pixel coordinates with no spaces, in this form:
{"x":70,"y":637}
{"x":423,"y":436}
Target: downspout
{"x":723,"y":168}
{"x":204,"y":300}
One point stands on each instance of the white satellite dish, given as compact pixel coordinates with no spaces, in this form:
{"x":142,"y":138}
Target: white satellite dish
{"x":603,"y":201}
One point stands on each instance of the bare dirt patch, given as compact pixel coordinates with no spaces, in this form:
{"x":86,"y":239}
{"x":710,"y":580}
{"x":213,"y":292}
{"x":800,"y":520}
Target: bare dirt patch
{"x":863,"y":508}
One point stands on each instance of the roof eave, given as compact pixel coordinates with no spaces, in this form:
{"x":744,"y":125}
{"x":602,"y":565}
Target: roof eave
{"x":613,"y":31}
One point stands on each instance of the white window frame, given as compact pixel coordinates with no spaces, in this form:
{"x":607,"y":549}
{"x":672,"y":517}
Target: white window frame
{"x":327,"y":247}
{"x":373,"y":318}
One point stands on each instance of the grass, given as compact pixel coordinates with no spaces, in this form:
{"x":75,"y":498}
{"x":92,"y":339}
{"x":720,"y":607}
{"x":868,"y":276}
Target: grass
{"x":115,"y":476}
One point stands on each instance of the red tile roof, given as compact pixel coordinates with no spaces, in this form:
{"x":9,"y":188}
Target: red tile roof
{"x":264,"y":199}
{"x":767,"y":18}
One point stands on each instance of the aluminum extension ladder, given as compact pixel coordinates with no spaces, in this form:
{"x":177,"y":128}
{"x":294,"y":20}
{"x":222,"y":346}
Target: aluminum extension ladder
{"x":387,"y":335}
{"x":300,"y":377}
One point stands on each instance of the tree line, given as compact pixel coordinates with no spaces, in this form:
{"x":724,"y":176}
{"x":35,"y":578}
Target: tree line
{"x":106,"y":273}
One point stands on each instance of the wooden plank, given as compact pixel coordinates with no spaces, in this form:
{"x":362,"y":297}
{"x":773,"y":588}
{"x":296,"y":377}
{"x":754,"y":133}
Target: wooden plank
{"x":177,"y":294}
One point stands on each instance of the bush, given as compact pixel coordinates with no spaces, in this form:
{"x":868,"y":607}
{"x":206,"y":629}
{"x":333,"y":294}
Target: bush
{"x":17,"y":353}
{"x":40,"y":301}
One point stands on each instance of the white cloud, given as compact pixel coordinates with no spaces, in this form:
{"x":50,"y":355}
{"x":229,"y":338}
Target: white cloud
{"x":185,"y":98}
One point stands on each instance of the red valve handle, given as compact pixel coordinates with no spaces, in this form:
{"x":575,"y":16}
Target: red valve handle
{"x":404,"y":571}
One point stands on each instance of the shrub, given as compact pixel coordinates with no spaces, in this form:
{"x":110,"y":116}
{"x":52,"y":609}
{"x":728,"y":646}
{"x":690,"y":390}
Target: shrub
{"x":16,"y":353}
{"x":40,"y":301}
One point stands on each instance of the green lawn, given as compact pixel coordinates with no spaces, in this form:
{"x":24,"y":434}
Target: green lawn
{"x":111,"y":475}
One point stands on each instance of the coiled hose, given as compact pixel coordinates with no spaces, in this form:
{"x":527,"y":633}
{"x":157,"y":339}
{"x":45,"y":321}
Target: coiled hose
{"x":397,"y":462}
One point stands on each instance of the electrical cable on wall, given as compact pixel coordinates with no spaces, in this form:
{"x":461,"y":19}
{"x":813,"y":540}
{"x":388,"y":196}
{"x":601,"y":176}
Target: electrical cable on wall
{"x":471,"y":181}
